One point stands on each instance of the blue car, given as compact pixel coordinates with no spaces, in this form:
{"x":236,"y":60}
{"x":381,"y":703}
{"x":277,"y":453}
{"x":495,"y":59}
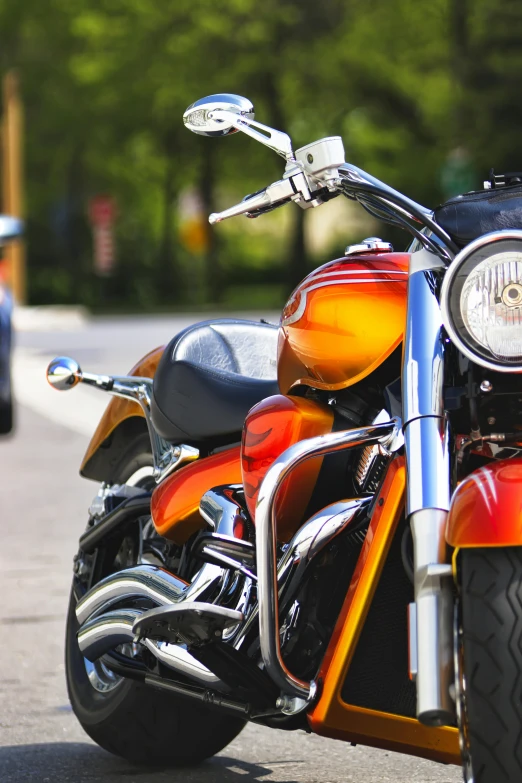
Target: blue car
{"x":10,"y":228}
{"x":6,"y":389}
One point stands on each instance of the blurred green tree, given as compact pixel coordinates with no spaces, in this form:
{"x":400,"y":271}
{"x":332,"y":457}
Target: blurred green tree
{"x":405,"y":83}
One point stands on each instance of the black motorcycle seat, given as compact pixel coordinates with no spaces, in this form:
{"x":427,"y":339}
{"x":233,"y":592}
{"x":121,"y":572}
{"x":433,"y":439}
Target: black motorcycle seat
{"x":471,"y":215}
{"x":209,"y":377}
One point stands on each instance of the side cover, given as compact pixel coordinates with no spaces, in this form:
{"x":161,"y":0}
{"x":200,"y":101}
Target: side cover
{"x":175,"y":502}
{"x":486,"y":509}
{"x":271,"y":427}
{"x":122,"y":421}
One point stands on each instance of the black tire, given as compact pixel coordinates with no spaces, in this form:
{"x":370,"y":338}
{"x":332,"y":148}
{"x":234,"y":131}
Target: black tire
{"x":138,"y":722}
{"x":6,"y":416}
{"x":491,"y":600}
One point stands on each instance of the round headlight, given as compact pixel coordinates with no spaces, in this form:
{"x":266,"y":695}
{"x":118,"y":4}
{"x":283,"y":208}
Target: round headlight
{"x":481,"y":301}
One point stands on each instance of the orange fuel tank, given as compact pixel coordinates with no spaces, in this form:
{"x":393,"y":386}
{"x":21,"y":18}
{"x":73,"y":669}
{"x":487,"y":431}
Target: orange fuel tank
{"x":343,"y":321}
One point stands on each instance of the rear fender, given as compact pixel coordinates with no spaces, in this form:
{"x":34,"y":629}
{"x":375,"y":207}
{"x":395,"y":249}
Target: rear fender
{"x":122,"y":423}
{"x":486,"y":509}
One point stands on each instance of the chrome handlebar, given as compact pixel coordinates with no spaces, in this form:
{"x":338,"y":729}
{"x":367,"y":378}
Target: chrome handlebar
{"x":295,"y":186}
{"x":314,"y":173}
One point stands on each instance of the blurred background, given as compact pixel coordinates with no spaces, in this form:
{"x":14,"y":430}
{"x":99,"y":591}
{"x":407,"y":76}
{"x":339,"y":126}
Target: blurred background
{"x":426,"y":96}
{"x":115,"y":194}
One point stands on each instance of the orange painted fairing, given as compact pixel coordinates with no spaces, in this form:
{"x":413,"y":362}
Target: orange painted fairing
{"x":331,"y":716}
{"x":486,"y":509}
{"x":272,"y":426}
{"x":175,"y":502}
{"x":343,"y":321}
{"x":119,"y":408}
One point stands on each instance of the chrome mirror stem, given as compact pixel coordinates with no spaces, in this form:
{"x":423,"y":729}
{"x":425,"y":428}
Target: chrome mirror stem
{"x":166,"y":458}
{"x":273,"y":139}
{"x":64,"y":373}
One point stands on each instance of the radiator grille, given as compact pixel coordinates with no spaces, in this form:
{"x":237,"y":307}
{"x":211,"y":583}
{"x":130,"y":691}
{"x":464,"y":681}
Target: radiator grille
{"x":378,"y":675}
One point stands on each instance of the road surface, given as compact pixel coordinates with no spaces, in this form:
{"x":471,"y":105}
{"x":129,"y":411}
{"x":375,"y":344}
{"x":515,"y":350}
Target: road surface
{"x":42,"y":513}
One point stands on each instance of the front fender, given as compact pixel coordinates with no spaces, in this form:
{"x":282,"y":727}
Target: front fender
{"x":119,"y":412}
{"x":486,"y":509}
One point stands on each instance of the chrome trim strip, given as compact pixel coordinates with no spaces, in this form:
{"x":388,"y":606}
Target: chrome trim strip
{"x":268,"y":589}
{"x":341,"y":272}
{"x":351,"y":281}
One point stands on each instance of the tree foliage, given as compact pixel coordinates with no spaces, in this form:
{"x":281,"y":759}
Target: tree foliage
{"x":105,"y":84}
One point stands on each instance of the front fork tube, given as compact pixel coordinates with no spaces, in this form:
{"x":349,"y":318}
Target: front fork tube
{"x":433,"y":618}
{"x":428,"y":494}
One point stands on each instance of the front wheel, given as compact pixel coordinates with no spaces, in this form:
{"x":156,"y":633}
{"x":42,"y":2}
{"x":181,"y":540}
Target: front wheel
{"x":129,"y":718}
{"x":491,"y":620}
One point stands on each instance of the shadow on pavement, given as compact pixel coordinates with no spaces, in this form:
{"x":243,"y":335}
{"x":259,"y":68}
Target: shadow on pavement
{"x":68,"y":762}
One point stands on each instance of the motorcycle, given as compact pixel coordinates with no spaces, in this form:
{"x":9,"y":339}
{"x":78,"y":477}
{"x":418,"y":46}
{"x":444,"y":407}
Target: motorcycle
{"x":330,"y":540}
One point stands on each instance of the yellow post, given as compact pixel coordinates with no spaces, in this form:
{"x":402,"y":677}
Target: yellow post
{"x":12,"y":179}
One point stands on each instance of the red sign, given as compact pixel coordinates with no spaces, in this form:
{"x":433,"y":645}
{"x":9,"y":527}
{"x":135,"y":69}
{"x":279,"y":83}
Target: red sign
{"x":102,"y":214}
{"x":102,"y":210}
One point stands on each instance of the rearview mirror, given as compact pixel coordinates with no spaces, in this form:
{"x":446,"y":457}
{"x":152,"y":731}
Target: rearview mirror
{"x":201,"y":117}
{"x":219,"y":115}
{"x":64,"y":373}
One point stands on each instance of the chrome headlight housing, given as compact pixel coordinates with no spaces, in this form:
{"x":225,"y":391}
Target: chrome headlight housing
{"x":481,"y":301}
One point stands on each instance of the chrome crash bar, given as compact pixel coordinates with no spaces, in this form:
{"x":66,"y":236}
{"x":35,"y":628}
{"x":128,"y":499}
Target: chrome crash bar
{"x":296,"y":693}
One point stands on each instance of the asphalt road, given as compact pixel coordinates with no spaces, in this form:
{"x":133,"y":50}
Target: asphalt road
{"x":42,"y":513}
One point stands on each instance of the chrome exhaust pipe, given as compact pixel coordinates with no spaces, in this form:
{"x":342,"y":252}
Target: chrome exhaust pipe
{"x":102,"y":628}
{"x":309,"y":540}
{"x":141,"y":581}
{"x":101,"y":634}
{"x":157,"y":584}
